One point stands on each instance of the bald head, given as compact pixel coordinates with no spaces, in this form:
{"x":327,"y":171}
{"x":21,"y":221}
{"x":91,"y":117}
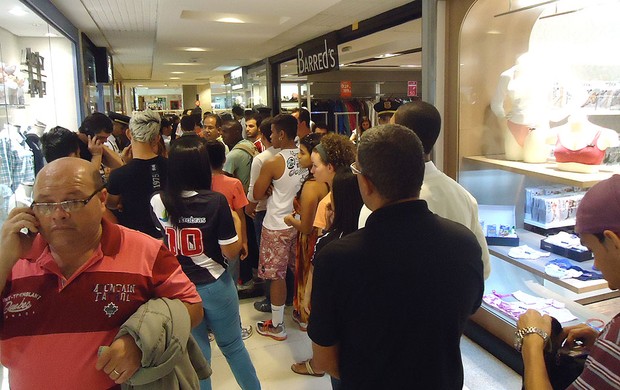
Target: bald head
{"x":66,"y":169}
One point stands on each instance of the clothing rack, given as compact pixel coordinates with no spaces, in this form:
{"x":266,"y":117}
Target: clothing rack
{"x":324,"y":113}
{"x":337,"y":114}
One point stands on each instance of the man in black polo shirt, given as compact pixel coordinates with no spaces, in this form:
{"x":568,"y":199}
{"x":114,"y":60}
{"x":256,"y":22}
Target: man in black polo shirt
{"x":390,"y":301}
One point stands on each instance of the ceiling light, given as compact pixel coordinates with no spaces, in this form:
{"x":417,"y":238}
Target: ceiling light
{"x":230,"y":20}
{"x":175,"y":78}
{"x":181,"y":63}
{"x":51,"y":35}
{"x":410,"y":66}
{"x":177,"y":72}
{"x":18,"y":11}
{"x":194,"y":49}
{"x":140,"y":85}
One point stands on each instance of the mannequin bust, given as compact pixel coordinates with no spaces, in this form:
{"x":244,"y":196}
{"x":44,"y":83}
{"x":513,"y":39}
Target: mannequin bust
{"x":523,"y":89}
{"x":581,"y":145}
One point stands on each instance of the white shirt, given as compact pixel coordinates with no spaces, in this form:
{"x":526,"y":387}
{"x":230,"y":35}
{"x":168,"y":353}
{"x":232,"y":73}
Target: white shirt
{"x":257,"y":164}
{"x":448,"y":199}
{"x":280,"y":203}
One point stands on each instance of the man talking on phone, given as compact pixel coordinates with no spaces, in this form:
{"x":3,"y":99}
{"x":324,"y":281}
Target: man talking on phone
{"x":70,"y":279}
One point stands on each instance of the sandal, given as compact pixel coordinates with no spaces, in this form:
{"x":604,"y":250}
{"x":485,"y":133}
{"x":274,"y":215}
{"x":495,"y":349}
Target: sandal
{"x":305,"y":368}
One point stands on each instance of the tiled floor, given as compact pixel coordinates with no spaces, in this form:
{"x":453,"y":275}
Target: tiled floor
{"x":273,"y":359}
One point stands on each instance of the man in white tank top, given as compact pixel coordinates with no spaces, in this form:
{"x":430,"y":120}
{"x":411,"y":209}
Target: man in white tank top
{"x":283,"y":175}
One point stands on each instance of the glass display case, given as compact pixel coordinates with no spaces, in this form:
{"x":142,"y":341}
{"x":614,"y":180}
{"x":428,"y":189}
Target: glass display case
{"x":537,"y":81}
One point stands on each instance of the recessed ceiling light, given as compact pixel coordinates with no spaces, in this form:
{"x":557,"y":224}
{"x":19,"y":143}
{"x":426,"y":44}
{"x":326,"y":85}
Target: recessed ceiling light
{"x":176,"y":72}
{"x":410,"y":66}
{"x":51,"y":35}
{"x":18,"y":11}
{"x":140,"y":85}
{"x":194,"y":49}
{"x":175,"y":78}
{"x":494,"y":32}
{"x":230,"y":20}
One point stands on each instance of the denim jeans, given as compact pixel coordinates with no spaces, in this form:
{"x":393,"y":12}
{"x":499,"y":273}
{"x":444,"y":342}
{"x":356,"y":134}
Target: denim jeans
{"x":221,"y":307}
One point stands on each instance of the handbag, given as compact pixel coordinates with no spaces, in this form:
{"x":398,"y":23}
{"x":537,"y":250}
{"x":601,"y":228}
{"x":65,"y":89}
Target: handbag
{"x":564,"y":364}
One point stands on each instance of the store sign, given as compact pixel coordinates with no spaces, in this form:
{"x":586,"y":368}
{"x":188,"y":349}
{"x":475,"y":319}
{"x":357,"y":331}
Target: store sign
{"x":318,"y":56}
{"x":412,"y":88}
{"x":345,"y":90}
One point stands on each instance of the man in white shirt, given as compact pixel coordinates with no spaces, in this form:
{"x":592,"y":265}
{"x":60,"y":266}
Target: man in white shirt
{"x":445,"y":197}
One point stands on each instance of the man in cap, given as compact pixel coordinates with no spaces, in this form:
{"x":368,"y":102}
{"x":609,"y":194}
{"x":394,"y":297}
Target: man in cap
{"x":385,"y":109}
{"x":70,"y":279}
{"x":131,"y":186}
{"x":118,"y":140}
{"x":598,"y":225}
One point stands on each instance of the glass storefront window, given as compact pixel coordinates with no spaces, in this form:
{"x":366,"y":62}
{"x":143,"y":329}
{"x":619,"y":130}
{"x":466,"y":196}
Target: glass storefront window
{"x":37,"y":91}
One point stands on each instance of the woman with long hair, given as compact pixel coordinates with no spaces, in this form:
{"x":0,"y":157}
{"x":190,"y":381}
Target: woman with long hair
{"x":346,"y":202}
{"x":364,"y":124}
{"x":306,"y":203}
{"x":334,"y":152}
{"x":199,"y":229}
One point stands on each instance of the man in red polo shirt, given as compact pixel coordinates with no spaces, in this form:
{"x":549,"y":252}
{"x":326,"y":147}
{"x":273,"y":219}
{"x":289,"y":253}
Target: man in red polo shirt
{"x":73,"y":280}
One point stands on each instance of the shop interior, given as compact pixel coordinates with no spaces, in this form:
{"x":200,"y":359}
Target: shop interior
{"x":554,"y":87}
{"x":375,"y":67}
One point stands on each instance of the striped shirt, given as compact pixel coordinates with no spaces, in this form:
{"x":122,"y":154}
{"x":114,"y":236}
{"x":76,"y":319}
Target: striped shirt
{"x":602,"y":368}
{"x":52,"y":327}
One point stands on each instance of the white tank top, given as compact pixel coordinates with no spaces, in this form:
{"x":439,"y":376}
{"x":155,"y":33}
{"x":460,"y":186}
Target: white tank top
{"x":280,"y":203}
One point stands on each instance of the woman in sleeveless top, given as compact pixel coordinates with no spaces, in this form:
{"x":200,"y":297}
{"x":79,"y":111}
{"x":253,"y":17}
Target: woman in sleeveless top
{"x":306,"y":204}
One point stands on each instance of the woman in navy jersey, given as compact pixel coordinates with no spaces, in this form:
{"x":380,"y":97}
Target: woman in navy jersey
{"x":199,"y":229}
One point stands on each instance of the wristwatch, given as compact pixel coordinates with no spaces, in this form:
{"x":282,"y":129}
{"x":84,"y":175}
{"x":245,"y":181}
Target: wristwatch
{"x":519,"y":334}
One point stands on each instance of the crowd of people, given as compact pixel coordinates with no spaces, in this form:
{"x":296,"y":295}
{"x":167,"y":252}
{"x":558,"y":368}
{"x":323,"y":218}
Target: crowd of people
{"x":335,"y":227}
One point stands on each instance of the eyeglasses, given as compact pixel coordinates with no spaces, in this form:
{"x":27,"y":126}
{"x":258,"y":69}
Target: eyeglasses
{"x":69,"y":206}
{"x":354,"y":169}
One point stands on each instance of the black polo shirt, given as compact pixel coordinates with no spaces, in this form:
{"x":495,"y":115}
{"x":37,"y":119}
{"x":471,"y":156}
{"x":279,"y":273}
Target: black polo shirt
{"x":396,"y":296}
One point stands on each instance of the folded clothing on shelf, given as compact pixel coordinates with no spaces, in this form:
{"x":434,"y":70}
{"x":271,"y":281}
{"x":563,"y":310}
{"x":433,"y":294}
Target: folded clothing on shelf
{"x":525,"y":302}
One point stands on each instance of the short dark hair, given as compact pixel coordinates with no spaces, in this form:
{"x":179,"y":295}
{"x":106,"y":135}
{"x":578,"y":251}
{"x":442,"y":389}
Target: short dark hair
{"x":320,"y":125}
{"x":188,"y":123}
{"x":95,"y":123}
{"x":218,"y":120}
{"x":237,"y":110}
{"x":286,"y":123}
{"x":257,"y":117}
{"x":265,"y":128}
{"x":304,"y":116}
{"x":310,"y":141}
{"x":59,"y":142}
{"x":233,"y":125}
{"x":392,"y":158}
{"x":226,"y":116}
{"x":217,"y":154}
{"x":197,"y":119}
{"x":423,"y":118}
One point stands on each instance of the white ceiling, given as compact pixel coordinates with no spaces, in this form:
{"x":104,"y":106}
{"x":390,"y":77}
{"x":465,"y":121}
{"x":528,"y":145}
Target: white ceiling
{"x":148,"y":39}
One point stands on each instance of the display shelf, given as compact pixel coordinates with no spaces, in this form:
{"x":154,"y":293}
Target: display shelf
{"x":547,"y":171}
{"x":537,"y":266}
{"x":552,"y":225}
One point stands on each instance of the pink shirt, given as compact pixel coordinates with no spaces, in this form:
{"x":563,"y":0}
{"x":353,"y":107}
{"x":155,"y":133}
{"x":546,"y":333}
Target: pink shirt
{"x":52,"y":327}
{"x":232,"y":189}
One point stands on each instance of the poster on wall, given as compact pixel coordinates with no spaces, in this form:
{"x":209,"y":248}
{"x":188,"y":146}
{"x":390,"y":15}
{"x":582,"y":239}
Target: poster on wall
{"x":412,"y":88}
{"x":345,"y":90}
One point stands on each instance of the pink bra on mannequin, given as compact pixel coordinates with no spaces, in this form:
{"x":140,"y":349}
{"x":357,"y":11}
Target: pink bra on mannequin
{"x":590,"y":154}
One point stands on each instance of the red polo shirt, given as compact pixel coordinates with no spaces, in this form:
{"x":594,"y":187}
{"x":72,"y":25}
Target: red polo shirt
{"x":52,"y":327}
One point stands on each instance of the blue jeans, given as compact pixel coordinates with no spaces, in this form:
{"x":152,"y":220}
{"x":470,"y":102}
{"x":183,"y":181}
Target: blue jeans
{"x":221,"y":307}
